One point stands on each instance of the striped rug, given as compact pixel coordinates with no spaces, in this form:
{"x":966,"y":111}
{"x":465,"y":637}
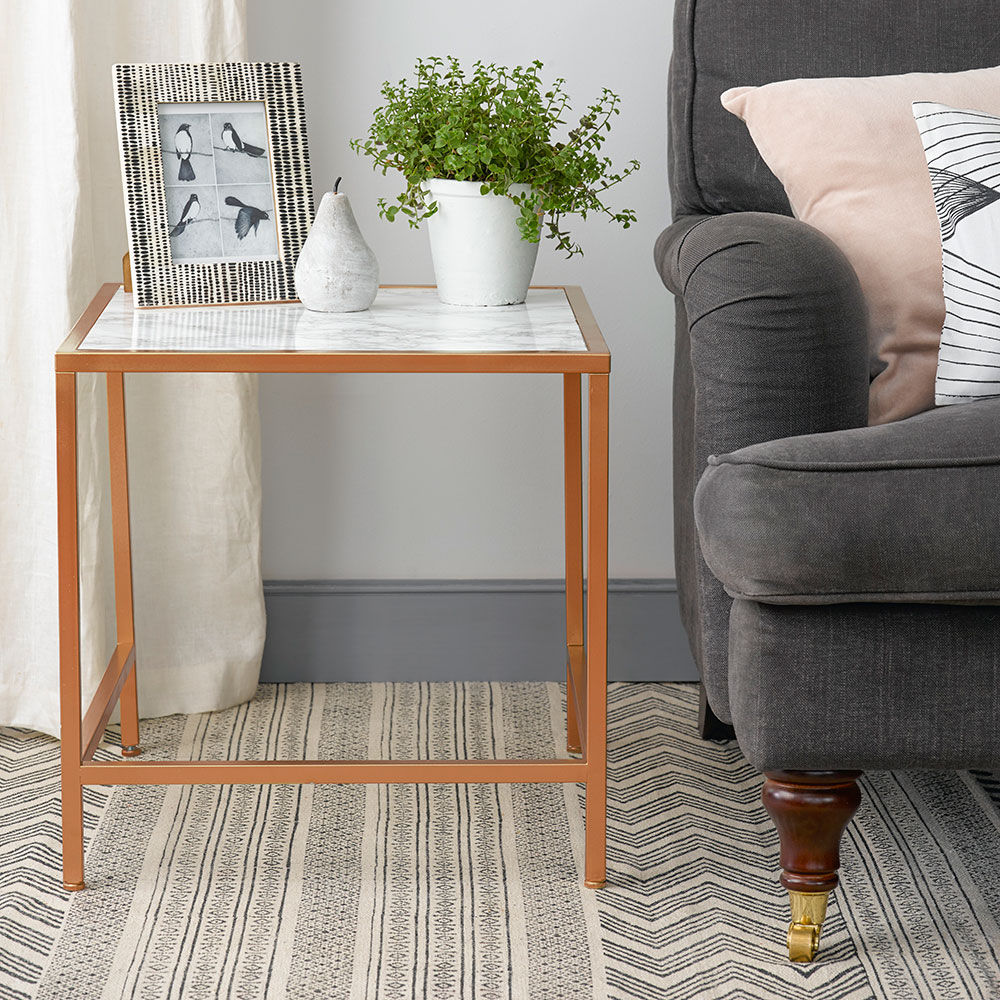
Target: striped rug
{"x":475,"y":891}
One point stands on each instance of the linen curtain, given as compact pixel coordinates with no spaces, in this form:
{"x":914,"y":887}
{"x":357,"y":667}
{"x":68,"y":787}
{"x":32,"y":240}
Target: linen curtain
{"x":194,"y":442}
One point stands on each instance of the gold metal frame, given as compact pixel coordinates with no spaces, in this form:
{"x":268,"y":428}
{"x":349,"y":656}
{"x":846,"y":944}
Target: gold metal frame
{"x":586,"y":614}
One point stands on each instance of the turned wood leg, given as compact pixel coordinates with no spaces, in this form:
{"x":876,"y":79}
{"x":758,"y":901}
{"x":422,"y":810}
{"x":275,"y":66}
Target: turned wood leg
{"x":710,"y":726}
{"x":811,"y":810}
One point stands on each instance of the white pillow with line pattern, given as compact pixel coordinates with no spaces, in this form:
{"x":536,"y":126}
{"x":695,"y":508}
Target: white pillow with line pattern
{"x":962,"y":149}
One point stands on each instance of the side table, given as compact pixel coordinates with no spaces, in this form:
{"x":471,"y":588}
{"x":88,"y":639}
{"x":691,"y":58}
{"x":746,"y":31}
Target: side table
{"x":406,"y":331}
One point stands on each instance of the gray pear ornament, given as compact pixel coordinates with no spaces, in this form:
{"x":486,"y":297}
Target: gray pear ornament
{"x":336,"y":270}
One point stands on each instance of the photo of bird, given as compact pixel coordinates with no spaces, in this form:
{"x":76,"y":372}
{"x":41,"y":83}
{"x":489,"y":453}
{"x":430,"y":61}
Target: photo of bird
{"x":183,"y":145}
{"x":232,"y":141}
{"x":246,"y":217}
{"x":190,"y":213}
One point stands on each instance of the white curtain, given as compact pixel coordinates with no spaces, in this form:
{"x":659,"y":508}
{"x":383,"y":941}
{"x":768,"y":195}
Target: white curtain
{"x":194,"y":443}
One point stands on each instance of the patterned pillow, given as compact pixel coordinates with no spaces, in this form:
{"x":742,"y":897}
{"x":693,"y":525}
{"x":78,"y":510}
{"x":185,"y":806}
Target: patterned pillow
{"x":963,"y":157}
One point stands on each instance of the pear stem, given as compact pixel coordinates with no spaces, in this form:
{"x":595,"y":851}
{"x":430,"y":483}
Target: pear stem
{"x":336,"y":184}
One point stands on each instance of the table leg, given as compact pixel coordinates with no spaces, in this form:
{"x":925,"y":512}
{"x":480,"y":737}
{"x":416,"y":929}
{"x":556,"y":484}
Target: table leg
{"x":597,"y":633}
{"x":573,"y":446}
{"x":122,"y":536}
{"x":70,"y":709}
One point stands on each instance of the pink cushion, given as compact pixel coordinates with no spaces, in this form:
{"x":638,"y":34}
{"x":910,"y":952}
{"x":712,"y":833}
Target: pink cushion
{"x":850,"y":158}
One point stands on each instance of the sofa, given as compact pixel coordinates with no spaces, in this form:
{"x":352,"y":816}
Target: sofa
{"x":839,"y":582}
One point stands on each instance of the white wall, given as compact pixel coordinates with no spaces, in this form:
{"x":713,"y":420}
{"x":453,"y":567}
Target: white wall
{"x":460,"y":476}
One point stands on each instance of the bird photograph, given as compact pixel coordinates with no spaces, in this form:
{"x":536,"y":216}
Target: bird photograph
{"x":190,"y":213}
{"x":183,"y":144}
{"x":231,"y":140}
{"x":246,"y":217}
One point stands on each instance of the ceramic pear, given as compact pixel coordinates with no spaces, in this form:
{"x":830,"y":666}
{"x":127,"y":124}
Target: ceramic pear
{"x":336,"y":270}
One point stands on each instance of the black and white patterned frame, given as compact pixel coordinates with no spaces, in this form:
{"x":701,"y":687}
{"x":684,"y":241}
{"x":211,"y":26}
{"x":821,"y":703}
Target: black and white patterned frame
{"x":156,"y":280}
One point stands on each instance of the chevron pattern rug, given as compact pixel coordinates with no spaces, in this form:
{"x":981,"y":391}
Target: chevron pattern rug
{"x":438,"y":891}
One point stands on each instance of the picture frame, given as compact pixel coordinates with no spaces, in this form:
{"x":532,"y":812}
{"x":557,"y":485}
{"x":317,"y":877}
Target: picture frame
{"x":215,"y":171}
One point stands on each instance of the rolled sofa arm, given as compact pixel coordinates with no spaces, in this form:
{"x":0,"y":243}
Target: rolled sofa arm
{"x":770,"y":341}
{"x":777,"y":323}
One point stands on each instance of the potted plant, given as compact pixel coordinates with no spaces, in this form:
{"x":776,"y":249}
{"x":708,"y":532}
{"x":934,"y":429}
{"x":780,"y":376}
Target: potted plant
{"x":484,"y":163}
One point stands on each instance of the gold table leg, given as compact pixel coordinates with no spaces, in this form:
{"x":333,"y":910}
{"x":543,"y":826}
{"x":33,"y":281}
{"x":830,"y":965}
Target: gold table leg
{"x":70,"y":709}
{"x":121,"y":533}
{"x":573,"y":447}
{"x":597,"y":633}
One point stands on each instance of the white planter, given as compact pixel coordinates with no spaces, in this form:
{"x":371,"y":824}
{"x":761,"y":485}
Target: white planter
{"x":479,"y":256}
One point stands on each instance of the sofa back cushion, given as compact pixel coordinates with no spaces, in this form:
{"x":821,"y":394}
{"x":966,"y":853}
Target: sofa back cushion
{"x":718,"y":44}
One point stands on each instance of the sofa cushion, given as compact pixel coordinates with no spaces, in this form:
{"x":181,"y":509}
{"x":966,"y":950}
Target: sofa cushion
{"x":718,"y":44}
{"x":908,"y":511}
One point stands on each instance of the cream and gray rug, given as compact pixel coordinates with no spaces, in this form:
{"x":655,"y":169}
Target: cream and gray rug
{"x":475,"y":891}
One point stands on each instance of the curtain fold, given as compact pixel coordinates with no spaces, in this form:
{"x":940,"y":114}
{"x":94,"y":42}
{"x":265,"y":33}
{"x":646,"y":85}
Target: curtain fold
{"x":194,"y":441}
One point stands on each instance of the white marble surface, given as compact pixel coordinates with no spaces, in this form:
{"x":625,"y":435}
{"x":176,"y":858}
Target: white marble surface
{"x":401,"y":319}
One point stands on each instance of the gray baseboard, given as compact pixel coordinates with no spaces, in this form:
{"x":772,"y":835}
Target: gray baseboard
{"x":320,"y":630}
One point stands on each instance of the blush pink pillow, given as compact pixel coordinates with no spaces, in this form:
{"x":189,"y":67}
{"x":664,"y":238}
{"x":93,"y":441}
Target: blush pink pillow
{"x":851,"y":161}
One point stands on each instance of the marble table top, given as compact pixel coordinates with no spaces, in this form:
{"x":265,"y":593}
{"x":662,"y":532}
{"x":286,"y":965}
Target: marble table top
{"x":401,"y":319}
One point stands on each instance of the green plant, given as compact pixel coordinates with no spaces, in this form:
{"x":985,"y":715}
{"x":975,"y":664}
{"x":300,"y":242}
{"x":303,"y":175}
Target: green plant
{"x":498,"y":126}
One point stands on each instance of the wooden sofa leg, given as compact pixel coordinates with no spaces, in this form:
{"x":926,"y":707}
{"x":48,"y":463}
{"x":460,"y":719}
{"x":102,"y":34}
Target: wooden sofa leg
{"x":710,"y":726}
{"x":811,"y":810}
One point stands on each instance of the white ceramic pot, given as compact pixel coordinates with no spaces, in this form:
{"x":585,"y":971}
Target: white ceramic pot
{"x":479,"y":256}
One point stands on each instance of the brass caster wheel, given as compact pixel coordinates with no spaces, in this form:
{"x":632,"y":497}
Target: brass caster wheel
{"x":74,"y":886}
{"x":803,"y":942}
{"x":808,"y":914}
{"x":595,"y":885}
{"x":131,"y":751}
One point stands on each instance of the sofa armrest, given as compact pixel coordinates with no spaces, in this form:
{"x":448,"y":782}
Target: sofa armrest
{"x":777,"y":324}
{"x":770,"y":341}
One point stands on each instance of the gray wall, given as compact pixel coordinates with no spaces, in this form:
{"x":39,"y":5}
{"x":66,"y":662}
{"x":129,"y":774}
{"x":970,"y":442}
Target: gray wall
{"x":431,"y":477}
{"x":382,"y":478}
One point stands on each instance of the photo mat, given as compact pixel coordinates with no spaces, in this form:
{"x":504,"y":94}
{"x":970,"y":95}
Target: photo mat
{"x":215,"y":169}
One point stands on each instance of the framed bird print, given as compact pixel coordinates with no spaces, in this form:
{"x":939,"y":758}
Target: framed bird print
{"x":215,"y":168}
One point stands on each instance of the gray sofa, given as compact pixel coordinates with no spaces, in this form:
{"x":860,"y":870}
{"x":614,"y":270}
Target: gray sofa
{"x":839,"y":582}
